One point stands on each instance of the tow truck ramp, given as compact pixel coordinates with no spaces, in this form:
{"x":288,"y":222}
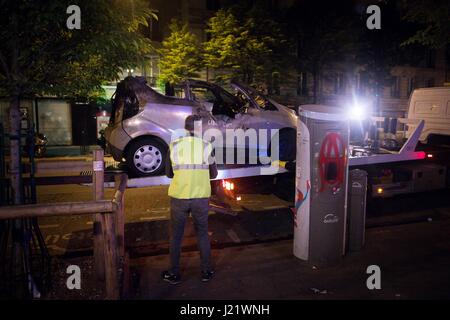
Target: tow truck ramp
{"x":224,"y":172}
{"x":406,"y":153}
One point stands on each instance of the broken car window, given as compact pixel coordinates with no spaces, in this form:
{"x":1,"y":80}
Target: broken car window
{"x":263,"y":102}
{"x":201,"y":94}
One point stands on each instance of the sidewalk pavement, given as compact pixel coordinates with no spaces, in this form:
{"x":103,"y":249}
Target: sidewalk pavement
{"x":414,"y":261}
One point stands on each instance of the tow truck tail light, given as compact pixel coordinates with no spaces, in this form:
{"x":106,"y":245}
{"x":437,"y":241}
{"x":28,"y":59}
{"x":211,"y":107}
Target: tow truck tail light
{"x":227,"y":185}
{"x":420,"y":155}
{"x":429,"y":155}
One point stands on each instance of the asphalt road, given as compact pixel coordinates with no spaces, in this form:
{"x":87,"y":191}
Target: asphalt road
{"x":262,"y":216}
{"x":407,"y":237}
{"x":414,"y":262}
{"x":144,"y":208}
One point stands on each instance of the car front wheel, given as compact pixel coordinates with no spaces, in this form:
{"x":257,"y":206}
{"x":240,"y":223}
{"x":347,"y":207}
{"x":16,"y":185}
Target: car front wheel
{"x":146,"y":157}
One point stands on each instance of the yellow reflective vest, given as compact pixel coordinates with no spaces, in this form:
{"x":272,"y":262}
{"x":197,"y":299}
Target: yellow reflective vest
{"x":189,"y":157}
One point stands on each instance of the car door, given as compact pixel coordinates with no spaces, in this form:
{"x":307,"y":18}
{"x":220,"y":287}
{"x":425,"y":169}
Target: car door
{"x":206,"y":97}
{"x":227,"y":111}
{"x":256,"y":117}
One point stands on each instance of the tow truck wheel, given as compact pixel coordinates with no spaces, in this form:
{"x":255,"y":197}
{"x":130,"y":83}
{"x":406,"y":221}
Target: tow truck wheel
{"x":146,"y":157}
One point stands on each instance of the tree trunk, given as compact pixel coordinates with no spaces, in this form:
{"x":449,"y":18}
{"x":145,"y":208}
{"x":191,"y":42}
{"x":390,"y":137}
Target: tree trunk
{"x":15,"y":161}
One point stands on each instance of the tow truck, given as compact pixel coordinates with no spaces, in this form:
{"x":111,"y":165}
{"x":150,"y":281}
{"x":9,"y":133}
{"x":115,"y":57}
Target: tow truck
{"x":415,"y":167}
{"x":400,"y":167}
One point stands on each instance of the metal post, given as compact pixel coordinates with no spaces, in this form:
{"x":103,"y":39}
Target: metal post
{"x":98,"y":194}
{"x":357,"y":209}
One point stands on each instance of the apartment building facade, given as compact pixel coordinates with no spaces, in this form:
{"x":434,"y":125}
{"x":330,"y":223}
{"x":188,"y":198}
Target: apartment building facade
{"x":337,"y":84}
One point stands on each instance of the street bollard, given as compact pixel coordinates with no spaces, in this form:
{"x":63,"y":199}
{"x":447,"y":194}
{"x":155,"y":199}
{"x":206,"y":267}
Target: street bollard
{"x":321,"y":184}
{"x":357,"y":209}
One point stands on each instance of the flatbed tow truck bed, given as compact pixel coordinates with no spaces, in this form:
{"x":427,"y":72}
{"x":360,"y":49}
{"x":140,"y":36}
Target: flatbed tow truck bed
{"x":359,"y":158}
{"x":224,"y":172}
{"x":406,"y":153}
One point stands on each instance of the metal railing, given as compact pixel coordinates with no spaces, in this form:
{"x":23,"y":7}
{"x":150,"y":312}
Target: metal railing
{"x":109,"y":249}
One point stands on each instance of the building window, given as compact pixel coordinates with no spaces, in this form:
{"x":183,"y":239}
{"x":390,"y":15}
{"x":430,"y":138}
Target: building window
{"x":431,"y":58}
{"x":363,"y":83}
{"x":213,"y":5}
{"x":271,"y":4}
{"x":411,"y":85}
{"x":447,"y":63}
{"x":55,"y":121}
{"x":302,"y":84}
{"x":153,"y":30}
{"x":339,"y":83}
{"x":275,"y":88}
{"x":395,"y":88}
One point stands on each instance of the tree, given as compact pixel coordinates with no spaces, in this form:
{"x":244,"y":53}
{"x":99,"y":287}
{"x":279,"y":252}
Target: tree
{"x":244,"y":45}
{"x":325,"y":32}
{"x":434,"y":18}
{"x":180,"y":54}
{"x":40,"y":55}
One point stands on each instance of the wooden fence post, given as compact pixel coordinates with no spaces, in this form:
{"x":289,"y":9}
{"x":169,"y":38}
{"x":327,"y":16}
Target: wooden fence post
{"x":110,"y":256}
{"x":119,"y":197}
{"x":98,"y":194}
{"x":105,"y":243}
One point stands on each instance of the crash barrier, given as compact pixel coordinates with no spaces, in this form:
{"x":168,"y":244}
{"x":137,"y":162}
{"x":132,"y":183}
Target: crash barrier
{"x":110,"y":260}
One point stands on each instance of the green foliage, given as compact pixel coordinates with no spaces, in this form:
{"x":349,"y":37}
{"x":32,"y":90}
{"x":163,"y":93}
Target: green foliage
{"x":180,"y":54}
{"x":244,"y":46}
{"x":434,"y":18}
{"x":41,"y":56}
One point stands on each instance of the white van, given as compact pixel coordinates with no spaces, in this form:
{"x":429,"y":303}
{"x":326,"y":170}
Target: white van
{"x":433,"y":106}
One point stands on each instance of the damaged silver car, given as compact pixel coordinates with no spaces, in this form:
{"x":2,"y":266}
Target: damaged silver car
{"x":143,"y":120}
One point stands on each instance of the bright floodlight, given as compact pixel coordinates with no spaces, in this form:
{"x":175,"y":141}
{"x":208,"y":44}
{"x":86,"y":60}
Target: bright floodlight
{"x":357,"y":112}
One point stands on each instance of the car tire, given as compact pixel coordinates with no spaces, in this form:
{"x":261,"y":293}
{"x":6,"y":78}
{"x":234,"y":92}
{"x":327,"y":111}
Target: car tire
{"x":146,"y":157}
{"x":287,"y":145}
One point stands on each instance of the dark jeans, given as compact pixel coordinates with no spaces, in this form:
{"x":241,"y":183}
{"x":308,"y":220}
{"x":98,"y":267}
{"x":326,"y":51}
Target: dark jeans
{"x":179,"y":211}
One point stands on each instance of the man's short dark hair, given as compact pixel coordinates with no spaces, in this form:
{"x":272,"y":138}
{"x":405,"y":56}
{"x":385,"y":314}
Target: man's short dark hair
{"x":190,"y":120}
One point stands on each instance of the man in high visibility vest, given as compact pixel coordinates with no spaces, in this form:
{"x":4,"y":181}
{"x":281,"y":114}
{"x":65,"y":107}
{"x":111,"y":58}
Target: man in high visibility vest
{"x":191,"y":165}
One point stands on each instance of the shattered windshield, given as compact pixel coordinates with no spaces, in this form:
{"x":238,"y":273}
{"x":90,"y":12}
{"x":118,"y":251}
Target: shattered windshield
{"x":260,"y":99}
